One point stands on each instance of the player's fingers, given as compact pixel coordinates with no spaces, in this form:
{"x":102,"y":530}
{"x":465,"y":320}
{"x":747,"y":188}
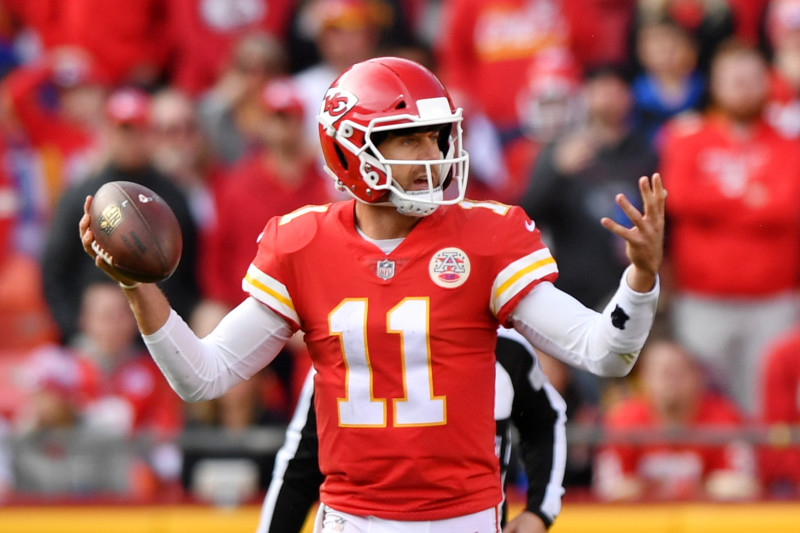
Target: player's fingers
{"x":653,"y":194}
{"x":629,"y":209}
{"x":660,"y":191}
{"x":616,"y":228}
{"x":649,"y":202}
{"x":83,"y":225}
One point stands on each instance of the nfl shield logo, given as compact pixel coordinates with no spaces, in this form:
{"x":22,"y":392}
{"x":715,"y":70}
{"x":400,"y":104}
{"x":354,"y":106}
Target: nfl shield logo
{"x":385,"y":269}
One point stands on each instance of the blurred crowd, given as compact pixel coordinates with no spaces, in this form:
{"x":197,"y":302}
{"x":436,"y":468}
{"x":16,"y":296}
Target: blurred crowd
{"x":213,"y":103}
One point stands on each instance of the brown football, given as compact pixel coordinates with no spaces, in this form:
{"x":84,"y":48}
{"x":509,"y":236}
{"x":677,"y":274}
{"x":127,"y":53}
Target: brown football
{"x":135,"y":231}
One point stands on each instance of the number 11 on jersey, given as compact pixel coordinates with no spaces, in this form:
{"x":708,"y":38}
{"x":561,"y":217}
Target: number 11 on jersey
{"x":410,"y":321}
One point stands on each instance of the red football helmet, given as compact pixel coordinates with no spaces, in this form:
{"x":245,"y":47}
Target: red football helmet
{"x":381,"y":95}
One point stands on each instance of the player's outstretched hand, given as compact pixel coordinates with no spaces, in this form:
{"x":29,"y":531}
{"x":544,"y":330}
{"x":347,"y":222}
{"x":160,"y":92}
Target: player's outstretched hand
{"x":644,"y":242}
{"x":526,"y":522}
{"x":86,"y":239}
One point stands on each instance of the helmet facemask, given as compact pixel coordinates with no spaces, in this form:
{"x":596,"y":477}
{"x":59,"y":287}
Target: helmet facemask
{"x":376,"y":170}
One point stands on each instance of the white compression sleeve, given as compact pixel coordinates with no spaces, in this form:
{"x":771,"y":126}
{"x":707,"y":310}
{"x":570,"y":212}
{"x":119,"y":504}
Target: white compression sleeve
{"x":244,"y":342}
{"x":606,"y":344}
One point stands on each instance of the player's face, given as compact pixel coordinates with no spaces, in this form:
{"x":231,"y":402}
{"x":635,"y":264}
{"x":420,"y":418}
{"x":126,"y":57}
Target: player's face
{"x":413,"y":146}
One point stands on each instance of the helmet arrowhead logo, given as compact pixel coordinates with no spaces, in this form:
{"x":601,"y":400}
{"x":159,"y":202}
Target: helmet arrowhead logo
{"x":336,"y":103}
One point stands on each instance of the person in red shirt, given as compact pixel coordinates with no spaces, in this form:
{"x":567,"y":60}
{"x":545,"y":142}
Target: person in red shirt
{"x":485,"y":49}
{"x":122,"y":387}
{"x":202,"y":35}
{"x":734,"y":225}
{"x":599,"y":30}
{"x":102,"y":384}
{"x":674,"y":397}
{"x":399,"y":292}
{"x":129,"y":44}
{"x":780,"y":407}
{"x":278,"y":178}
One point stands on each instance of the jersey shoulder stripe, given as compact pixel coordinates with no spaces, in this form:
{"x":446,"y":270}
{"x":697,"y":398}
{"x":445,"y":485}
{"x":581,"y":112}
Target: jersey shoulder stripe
{"x":519,"y":274}
{"x":270,"y":292}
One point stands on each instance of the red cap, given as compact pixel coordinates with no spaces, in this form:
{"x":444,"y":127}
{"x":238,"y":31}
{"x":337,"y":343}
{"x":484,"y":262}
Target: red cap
{"x":281,"y":96}
{"x":128,"y":106}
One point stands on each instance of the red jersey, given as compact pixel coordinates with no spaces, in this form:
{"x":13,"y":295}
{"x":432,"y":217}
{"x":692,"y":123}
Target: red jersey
{"x":249,"y":194}
{"x":151,"y":403}
{"x":403,"y":345}
{"x":202,"y":34}
{"x":734,"y":208}
{"x":487,"y":48}
{"x":125,"y":42}
{"x":674,"y":469}
{"x":781,"y":405}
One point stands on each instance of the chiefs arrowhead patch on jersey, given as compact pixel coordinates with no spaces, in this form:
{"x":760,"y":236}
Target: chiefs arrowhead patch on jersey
{"x":449,"y":268}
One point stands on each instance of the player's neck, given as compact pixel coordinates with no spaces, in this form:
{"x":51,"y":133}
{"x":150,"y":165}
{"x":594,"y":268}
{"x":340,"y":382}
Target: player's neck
{"x":383,"y":222}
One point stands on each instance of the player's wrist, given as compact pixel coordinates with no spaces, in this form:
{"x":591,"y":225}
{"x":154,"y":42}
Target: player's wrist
{"x":128,"y":286}
{"x":639,"y":280}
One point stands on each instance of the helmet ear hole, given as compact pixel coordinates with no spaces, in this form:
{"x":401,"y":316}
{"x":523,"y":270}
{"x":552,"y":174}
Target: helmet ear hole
{"x":340,"y":155}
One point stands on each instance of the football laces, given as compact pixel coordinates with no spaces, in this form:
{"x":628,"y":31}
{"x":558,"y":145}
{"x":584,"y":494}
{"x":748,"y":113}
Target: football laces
{"x":102,"y":253}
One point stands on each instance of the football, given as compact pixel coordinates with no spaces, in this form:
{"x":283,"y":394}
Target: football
{"x":135,"y":231}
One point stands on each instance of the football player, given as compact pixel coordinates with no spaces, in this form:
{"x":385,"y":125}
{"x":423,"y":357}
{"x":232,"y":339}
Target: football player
{"x":399,"y":292}
{"x":523,"y":396}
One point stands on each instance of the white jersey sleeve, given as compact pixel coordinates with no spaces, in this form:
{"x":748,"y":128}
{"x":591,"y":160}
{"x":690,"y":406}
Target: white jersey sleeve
{"x":606,"y":344}
{"x":244,"y":342}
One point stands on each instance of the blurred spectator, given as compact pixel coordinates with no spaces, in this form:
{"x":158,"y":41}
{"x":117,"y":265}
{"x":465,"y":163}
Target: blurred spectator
{"x":275,"y":180}
{"x":107,"y":386}
{"x":574,"y":182}
{"x":125,"y":391}
{"x":52,"y":454}
{"x":673,"y":397}
{"x":129,"y":44}
{"x":57,"y":103}
{"x":485,"y":48}
{"x":181,"y":151}
{"x":345,"y":32}
{"x":669,"y":82}
{"x":780,"y":409}
{"x":204,"y":33}
{"x":783,"y":33}
{"x":279,"y":178}
{"x":66,"y":269}
{"x":229,"y":110}
{"x":709,"y":22}
{"x":549,"y":104}
{"x":25,"y":321}
{"x":734,"y":215}
{"x":598,"y":30}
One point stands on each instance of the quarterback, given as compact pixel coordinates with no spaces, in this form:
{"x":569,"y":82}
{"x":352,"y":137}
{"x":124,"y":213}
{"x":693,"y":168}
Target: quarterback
{"x":399,"y":292}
